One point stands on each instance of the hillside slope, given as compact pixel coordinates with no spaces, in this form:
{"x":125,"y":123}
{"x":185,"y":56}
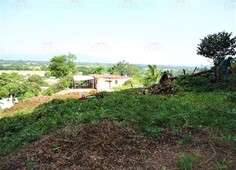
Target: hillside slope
{"x":124,"y":130}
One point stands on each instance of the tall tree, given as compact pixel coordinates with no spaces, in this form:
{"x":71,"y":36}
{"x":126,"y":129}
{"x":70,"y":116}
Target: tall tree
{"x":63,"y":65}
{"x":216,"y":47}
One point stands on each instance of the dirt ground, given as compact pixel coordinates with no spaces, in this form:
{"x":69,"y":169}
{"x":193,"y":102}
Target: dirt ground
{"x":108,"y":145}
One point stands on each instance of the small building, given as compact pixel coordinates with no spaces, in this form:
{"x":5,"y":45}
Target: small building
{"x":104,"y":82}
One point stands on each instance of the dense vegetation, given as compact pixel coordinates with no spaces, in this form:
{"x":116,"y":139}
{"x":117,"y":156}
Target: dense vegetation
{"x":23,"y":65}
{"x":19,"y":86}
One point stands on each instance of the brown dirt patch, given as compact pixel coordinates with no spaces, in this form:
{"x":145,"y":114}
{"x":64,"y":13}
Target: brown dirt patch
{"x":107,"y":145}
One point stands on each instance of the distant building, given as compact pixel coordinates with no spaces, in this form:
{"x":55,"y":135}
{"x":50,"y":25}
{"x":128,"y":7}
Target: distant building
{"x":104,"y":82}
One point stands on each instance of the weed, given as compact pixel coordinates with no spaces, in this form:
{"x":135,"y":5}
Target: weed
{"x":222,"y":165}
{"x":186,"y":162}
{"x":186,"y":139}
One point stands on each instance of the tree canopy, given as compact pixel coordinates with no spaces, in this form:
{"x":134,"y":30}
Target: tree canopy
{"x":63,"y":65}
{"x":217,"y":46}
{"x":124,"y":67}
{"x":16,"y":85}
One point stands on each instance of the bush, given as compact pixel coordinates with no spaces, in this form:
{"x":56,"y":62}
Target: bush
{"x":206,"y":84}
{"x":4,"y":92}
{"x":37,"y":79}
{"x":52,"y":89}
{"x":65,"y":82}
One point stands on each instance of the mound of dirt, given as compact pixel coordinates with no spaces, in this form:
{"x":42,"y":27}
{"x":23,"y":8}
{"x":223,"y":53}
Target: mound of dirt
{"x":107,"y":145}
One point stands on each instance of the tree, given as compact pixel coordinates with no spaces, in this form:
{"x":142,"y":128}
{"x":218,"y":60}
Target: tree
{"x":16,"y":85}
{"x":3,"y":92}
{"x":217,"y":46}
{"x":37,"y":79}
{"x":124,"y":67}
{"x":152,"y":75}
{"x":63,"y":65}
{"x":99,"y":70}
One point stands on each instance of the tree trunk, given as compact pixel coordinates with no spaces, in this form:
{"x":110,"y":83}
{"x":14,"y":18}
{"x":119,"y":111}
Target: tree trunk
{"x":217,"y":72}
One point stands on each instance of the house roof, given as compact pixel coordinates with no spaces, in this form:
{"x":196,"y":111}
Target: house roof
{"x":109,"y":76}
{"x":82,"y":77}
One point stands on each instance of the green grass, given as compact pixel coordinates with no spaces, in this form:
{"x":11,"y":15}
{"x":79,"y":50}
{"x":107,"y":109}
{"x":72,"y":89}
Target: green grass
{"x":186,"y":161}
{"x":222,"y":165}
{"x":214,"y":111}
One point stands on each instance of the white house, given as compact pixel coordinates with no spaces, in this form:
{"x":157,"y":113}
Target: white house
{"x":104,"y":82}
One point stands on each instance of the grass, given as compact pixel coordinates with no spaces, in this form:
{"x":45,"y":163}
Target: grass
{"x":203,"y":105}
{"x":222,"y":165}
{"x":213,"y":111}
{"x":186,"y":161}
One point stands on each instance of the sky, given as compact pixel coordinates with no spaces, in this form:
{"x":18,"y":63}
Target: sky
{"x":163,"y":32}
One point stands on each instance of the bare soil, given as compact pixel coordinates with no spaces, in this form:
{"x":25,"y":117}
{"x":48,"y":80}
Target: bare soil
{"x":108,"y":145}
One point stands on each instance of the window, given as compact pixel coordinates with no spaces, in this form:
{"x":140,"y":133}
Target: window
{"x":116,"y":81}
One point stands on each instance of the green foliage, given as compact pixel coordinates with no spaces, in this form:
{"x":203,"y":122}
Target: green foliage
{"x":124,"y":67}
{"x":65,"y":82}
{"x":186,"y":162}
{"x":186,"y":139}
{"x":12,"y":83}
{"x":132,"y":82}
{"x":99,"y":70}
{"x":31,"y":89}
{"x":217,"y":46}
{"x":151,"y":75}
{"x":48,"y":74}
{"x":52,"y":90}
{"x":4,"y":92}
{"x":37,"y":79}
{"x":16,"y":85}
{"x":206,"y":84}
{"x":16,"y":66}
{"x":62,"y":66}
{"x":44,"y":67}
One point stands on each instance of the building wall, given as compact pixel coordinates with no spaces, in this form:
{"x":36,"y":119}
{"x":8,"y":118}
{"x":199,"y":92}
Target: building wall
{"x":103,"y":84}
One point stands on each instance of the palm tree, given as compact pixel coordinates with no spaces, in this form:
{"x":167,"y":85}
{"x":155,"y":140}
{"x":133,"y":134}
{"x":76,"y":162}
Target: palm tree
{"x":152,"y":75}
